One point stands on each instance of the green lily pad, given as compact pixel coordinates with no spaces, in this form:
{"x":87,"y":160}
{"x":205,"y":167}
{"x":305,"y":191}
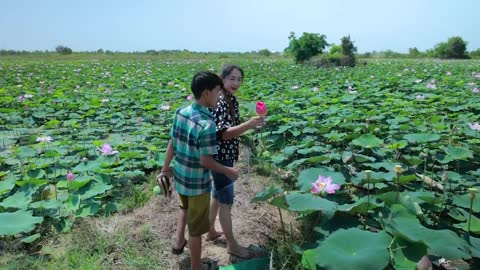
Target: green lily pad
{"x":347,"y":249}
{"x":421,"y":137}
{"x":18,"y":222}
{"x":368,"y":141}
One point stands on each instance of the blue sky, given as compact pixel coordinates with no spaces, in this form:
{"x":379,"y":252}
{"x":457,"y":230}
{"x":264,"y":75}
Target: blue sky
{"x":242,"y":25}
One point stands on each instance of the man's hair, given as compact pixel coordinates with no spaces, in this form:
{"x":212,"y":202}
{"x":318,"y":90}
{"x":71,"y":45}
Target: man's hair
{"x":205,"y":80}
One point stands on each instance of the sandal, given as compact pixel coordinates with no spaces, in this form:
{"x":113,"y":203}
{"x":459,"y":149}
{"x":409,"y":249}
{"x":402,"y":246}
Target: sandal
{"x":178,"y":251}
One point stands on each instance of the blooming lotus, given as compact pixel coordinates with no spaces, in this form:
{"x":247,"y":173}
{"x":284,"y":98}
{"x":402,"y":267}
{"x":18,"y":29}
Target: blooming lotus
{"x":315,"y":89}
{"x":107,"y":150}
{"x":474,"y":126}
{"x":324,"y":184}
{"x":189,"y":97}
{"x":476,"y":90}
{"x":70,"y":176}
{"x":21,"y":98}
{"x":28,"y":96}
{"x":105,"y":100}
{"x":44,"y":139}
{"x":295,"y":87}
{"x":420,"y":97}
{"x":449,"y":73}
{"x":431,"y":86}
{"x":261,"y":108}
{"x":165,"y":107}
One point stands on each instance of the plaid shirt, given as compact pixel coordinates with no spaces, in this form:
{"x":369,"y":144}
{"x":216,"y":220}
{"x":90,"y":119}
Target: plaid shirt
{"x":194,"y":135}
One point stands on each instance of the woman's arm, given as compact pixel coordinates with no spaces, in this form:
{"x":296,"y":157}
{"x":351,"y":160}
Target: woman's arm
{"x":238,"y":130}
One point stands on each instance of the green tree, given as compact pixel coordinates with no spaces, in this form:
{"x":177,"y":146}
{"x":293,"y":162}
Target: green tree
{"x":348,"y":49}
{"x":308,"y":45}
{"x":455,"y":48}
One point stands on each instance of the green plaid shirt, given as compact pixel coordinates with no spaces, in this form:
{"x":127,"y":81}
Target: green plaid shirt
{"x":194,"y":135}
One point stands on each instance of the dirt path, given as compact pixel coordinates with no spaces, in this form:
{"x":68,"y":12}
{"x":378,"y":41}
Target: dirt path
{"x":254,"y":224}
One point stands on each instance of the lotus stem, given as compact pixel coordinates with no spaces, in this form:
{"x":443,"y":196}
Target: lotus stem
{"x":471,"y":194}
{"x":283,"y":226}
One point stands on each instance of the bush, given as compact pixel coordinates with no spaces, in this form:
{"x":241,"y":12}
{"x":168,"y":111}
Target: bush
{"x":335,"y":49}
{"x":265,"y":52}
{"x":63,"y":50}
{"x":454,"y":48}
{"x":331,"y":60}
{"x":307,"y":46}
{"x":475,"y":54}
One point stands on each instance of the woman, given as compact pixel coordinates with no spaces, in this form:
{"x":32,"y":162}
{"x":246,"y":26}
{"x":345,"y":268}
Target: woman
{"x":229,"y":128}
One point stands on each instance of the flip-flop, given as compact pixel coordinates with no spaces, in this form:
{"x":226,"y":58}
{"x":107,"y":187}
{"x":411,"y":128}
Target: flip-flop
{"x":250,"y":255}
{"x":214,"y":238}
{"x":178,"y":251}
{"x":164,"y":183}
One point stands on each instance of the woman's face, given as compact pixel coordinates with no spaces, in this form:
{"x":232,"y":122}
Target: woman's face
{"x":233,"y":81}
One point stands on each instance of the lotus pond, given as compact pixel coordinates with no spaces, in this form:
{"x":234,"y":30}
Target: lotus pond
{"x":399,"y":139}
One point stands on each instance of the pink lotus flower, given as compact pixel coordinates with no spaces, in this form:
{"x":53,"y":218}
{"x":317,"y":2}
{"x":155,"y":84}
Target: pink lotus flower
{"x":107,"y":150}
{"x":431,"y":86}
{"x":21,"y":98}
{"x":474,"y":126}
{"x":476,"y":90}
{"x":324,"y":184}
{"x":70,"y":176}
{"x":261,"y":108}
{"x":424,"y":264}
{"x":189,"y":97}
{"x":420,"y":97}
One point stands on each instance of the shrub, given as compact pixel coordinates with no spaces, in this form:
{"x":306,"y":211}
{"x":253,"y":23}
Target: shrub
{"x":63,"y":50}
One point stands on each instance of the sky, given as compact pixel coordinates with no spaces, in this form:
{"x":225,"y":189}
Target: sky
{"x":233,"y":26}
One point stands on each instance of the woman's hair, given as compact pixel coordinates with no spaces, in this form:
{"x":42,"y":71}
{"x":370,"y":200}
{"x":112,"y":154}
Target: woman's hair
{"x":226,"y":71}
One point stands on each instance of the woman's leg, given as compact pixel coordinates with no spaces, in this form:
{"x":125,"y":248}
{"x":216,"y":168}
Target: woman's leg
{"x":233,"y":248}
{"x":212,"y":232}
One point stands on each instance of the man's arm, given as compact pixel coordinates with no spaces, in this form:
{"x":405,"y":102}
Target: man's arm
{"x":208,"y":162}
{"x":168,"y":157}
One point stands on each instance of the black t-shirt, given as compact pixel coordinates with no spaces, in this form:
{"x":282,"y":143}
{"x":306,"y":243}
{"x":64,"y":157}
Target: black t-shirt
{"x":227,"y":150}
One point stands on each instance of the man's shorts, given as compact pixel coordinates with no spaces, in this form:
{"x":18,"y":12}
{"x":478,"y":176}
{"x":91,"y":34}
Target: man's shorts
{"x":197,"y":213}
{"x":223,"y":188}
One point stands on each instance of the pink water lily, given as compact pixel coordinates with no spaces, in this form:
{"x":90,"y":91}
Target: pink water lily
{"x":107,"y":150}
{"x":474,"y":126}
{"x":324,"y":184}
{"x":70,"y":176}
{"x":261,"y":108}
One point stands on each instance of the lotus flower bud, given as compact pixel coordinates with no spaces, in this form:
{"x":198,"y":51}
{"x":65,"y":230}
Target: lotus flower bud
{"x":261,"y":108}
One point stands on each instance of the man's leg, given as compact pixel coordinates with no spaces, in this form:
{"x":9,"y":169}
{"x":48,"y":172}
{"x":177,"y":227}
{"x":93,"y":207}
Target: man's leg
{"x":181,"y":223}
{"x":196,"y":252}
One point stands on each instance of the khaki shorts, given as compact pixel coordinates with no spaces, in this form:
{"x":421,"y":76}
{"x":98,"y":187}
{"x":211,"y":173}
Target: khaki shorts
{"x":197,"y":213}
